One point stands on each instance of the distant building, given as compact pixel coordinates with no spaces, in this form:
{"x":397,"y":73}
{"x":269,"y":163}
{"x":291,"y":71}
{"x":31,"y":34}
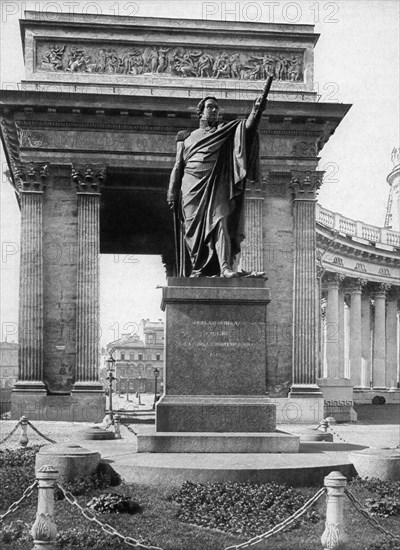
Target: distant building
{"x":8,"y":373}
{"x":136,"y":356}
{"x":8,"y":364}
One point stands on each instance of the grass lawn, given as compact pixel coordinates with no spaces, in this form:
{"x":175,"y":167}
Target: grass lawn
{"x":158,"y":523}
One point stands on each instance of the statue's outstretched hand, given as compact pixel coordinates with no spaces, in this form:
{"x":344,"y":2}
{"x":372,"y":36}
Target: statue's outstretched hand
{"x":259,"y":104}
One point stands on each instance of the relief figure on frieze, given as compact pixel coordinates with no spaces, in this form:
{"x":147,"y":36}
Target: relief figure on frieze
{"x":207,"y":187}
{"x":180,"y":62}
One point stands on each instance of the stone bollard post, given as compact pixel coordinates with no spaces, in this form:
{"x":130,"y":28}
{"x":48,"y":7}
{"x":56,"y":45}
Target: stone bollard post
{"x":117,"y":426}
{"x":324,"y":425}
{"x":334,"y":536}
{"x":44,"y":530}
{"x":23,"y":440}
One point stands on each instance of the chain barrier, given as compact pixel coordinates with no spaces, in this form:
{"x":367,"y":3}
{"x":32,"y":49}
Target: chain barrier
{"x":335,"y":433}
{"x":107,"y":528}
{"x":11,"y":433}
{"x":281,"y":526}
{"x":40,"y":433}
{"x":129,"y":428}
{"x":15,"y":505}
{"x":358,"y":505}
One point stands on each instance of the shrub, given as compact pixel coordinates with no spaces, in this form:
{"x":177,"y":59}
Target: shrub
{"x":243,"y":508}
{"x":17,"y":471}
{"x":114,"y":503}
{"x":385,"y":544}
{"x":104,"y":476}
{"x":383,"y":506}
{"x":13,"y":531}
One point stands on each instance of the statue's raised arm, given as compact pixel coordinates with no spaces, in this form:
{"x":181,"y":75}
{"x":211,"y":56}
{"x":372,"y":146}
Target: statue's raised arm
{"x":207,"y":185}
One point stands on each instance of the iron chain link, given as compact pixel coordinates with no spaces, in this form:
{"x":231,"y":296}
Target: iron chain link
{"x":129,"y":428}
{"x":11,"y":433}
{"x":15,"y":505}
{"x":358,"y":505}
{"x":281,"y":526}
{"x":107,"y":528}
{"x":40,"y":433}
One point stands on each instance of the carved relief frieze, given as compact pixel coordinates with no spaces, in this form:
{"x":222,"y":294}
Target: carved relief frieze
{"x":304,"y":149}
{"x":175,"y":61}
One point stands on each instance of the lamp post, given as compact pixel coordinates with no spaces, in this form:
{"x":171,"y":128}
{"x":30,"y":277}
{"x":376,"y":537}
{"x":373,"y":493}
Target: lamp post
{"x":156,"y":375}
{"x":127,"y":388}
{"x":111,"y":367}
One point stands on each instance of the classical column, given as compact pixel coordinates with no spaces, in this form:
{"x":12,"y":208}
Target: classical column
{"x":379,"y":362}
{"x":355,"y":290}
{"x":305,"y":298}
{"x":252,"y":248}
{"x":30,"y":180}
{"x":365,"y":340}
{"x":88,"y":180}
{"x":392,"y":350}
{"x":332,"y":324}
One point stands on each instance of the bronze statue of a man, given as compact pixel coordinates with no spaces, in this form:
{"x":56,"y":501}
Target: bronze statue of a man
{"x":207,"y":186}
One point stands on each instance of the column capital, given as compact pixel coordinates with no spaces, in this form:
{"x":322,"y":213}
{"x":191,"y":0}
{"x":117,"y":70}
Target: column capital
{"x":88,"y":177}
{"x":334,"y":279}
{"x":305,"y":184}
{"x":356,"y":285}
{"x":31,"y":177}
{"x":381,"y":290}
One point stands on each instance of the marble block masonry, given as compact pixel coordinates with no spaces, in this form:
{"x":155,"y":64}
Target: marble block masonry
{"x":90,"y":141}
{"x":215,"y":384}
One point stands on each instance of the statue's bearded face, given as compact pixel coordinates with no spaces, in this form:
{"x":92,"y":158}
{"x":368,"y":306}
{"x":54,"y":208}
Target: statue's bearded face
{"x":210,"y":112}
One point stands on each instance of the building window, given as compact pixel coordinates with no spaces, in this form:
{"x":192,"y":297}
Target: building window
{"x":140,"y":356}
{"x":158,"y":357}
{"x":150,"y":339}
{"x":132,"y":356}
{"x":122,"y":355}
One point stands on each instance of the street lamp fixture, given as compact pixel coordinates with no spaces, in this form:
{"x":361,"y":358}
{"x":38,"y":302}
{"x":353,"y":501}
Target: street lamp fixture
{"x":156,"y":375}
{"x":111,"y":369}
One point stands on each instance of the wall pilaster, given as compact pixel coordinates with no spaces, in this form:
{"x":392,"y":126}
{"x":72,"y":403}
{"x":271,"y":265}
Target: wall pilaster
{"x":88,"y":180}
{"x":305,"y":306}
{"x":253,"y":247}
{"x":31,"y":179}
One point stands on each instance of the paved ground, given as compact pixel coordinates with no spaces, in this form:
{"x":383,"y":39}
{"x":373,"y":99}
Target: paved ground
{"x":378,"y":426}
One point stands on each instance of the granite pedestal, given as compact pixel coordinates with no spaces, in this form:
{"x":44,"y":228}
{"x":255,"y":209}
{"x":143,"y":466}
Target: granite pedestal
{"x":215,"y":374}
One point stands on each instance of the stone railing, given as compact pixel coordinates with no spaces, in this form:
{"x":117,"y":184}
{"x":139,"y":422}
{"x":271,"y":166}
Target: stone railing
{"x":353,"y":228}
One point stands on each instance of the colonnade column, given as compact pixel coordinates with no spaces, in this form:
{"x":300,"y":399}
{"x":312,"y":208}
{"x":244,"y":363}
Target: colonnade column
{"x":252,"y":247}
{"x":332,"y":324}
{"x":30,"y":182}
{"x":305,"y":306}
{"x":379,"y":363}
{"x":365,"y":377}
{"x":355,"y":289}
{"x":88,"y":181}
{"x":392,"y":350}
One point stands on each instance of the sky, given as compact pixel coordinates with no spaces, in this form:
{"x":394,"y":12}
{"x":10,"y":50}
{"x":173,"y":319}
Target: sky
{"x":356,"y":62}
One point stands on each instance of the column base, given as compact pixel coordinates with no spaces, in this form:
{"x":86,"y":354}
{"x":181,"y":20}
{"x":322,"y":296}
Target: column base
{"x":338,"y":399}
{"x":299,"y":409}
{"x":36,"y":386}
{"x":81,"y":407}
{"x":306,"y":390}
{"x":88,"y":387}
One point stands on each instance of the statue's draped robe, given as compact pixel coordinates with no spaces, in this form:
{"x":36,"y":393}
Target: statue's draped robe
{"x":210,"y":171}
